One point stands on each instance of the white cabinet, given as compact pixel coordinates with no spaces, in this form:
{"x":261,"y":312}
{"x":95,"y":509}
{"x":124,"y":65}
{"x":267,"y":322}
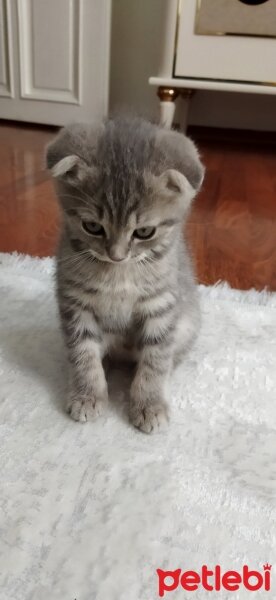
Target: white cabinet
{"x":54,"y":61}
{"x":201,"y":57}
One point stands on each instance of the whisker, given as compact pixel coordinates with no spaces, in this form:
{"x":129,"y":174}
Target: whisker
{"x":72,"y":256}
{"x":75,"y":261}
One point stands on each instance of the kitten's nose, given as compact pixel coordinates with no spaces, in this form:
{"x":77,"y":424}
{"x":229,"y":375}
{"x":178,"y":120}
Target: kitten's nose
{"x":116,"y":254}
{"x":117,"y":259}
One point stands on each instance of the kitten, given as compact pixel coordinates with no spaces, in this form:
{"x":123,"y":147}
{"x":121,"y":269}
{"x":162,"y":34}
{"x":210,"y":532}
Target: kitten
{"x":124,"y":279}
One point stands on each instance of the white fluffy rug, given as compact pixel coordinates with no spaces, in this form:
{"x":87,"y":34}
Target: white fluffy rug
{"x":89,"y":512}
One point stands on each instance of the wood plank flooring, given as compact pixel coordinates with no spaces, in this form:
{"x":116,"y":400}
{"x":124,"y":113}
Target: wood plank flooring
{"x":232,"y":226}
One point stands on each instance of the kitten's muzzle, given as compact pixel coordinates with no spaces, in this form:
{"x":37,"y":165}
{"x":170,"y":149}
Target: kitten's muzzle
{"x":117,"y":259}
{"x":117,"y":254}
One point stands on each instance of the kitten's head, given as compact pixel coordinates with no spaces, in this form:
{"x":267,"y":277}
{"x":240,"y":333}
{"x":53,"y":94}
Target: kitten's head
{"x":124,"y":186}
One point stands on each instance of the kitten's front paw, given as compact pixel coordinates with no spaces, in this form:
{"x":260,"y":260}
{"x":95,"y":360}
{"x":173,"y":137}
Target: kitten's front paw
{"x":86,"y":409}
{"x":150,"y":417}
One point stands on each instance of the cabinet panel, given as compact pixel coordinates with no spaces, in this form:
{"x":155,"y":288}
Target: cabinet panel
{"x":49,"y":41}
{"x":5,"y":50}
{"x":55,"y":60}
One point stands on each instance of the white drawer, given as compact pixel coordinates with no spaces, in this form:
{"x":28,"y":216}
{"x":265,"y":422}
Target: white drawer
{"x":232,"y":58}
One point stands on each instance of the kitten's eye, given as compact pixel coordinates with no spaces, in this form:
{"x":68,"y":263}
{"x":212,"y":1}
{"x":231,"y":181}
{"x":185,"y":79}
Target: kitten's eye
{"x":93,"y":228}
{"x":144,"y":233}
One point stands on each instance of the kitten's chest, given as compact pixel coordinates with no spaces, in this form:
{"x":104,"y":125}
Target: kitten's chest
{"x":114,"y":304}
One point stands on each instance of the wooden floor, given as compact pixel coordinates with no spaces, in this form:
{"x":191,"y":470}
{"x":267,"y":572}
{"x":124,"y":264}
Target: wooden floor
{"x":232,"y":227}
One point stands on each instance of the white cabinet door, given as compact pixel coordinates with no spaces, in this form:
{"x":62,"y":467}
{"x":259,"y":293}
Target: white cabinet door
{"x":54,"y":60}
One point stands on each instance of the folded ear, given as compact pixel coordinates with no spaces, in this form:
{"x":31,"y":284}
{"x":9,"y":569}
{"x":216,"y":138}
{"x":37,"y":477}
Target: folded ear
{"x":176,"y":184}
{"x":70,"y":169}
{"x":174,"y":189}
{"x":177,"y":152}
{"x":70,"y":156}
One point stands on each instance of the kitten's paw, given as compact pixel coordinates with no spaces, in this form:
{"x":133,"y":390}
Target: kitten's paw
{"x":86,"y":409}
{"x":151,"y":417}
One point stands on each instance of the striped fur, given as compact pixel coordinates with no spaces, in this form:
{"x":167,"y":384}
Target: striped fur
{"x":124,"y":175}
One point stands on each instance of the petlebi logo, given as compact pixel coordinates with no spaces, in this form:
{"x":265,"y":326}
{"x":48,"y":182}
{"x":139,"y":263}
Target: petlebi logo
{"x":214,"y":579}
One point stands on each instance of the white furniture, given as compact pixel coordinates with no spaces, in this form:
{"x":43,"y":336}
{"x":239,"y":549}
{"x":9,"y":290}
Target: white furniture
{"x":54,"y":60}
{"x":189,"y":61}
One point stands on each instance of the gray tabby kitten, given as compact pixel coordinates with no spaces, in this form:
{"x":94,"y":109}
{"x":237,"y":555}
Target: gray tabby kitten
{"x":124,"y":279}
